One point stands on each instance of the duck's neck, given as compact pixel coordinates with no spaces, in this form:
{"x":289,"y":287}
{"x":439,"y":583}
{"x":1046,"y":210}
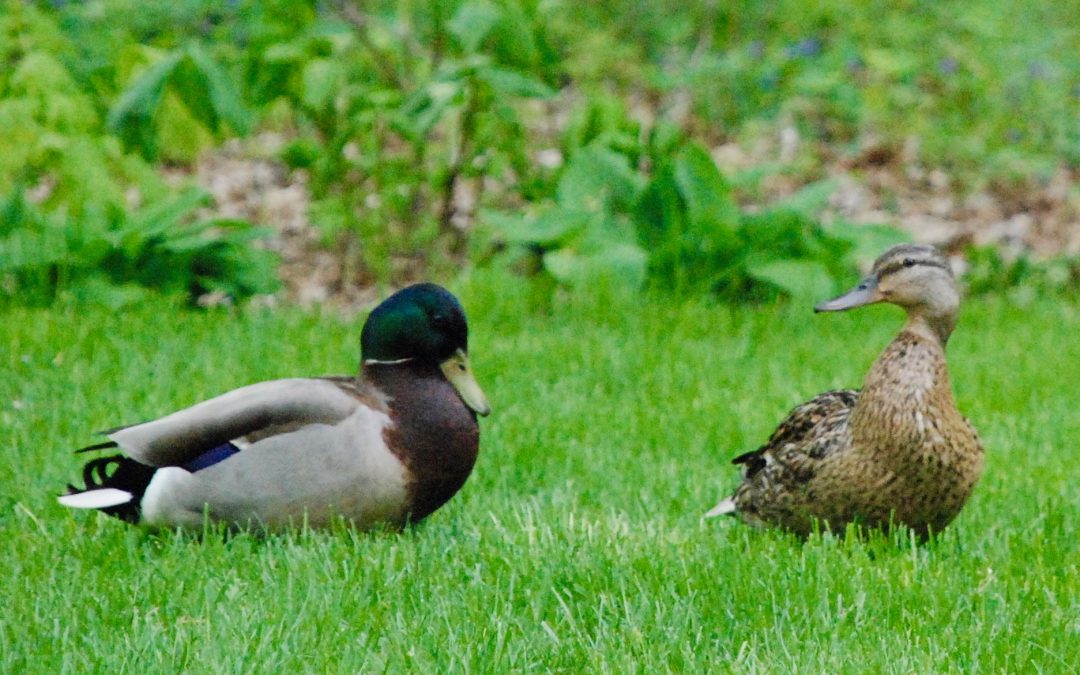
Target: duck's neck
{"x":433,"y":432}
{"x":907,"y":393}
{"x":415,"y":388}
{"x":936,"y":328}
{"x":395,"y":378}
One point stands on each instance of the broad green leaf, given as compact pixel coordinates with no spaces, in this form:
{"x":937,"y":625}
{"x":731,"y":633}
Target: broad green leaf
{"x":545,"y":229}
{"x":131,"y":116}
{"x":238,"y":271}
{"x":597,"y":179}
{"x":422,"y":111}
{"x":224,"y":98}
{"x":803,"y":280}
{"x":781,"y":233}
{"x":867,"y":241}
{"x":660,"y":212}
{"x":166,"y":215}
{"x":624,"y":262}
{"x":602,"y":119}
{"x":472,"y":22}
{"x":513,"y":83}
{"x":236,"y":234}
{"x":515,"y":40}
{"x":811,"y":199}
{"x":322,"y":79}
{"x":709,"y":204}
{"x":181,"y":133}
{"x":39,"y":74}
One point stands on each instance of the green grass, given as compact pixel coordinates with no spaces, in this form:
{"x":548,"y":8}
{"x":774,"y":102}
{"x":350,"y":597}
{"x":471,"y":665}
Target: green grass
{"x":577,"y":544}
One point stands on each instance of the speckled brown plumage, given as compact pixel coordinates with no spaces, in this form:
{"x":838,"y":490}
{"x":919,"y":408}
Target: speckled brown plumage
{"x":898,"y":451}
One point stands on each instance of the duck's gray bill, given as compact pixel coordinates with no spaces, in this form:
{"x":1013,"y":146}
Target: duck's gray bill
{"x":863,"y":294}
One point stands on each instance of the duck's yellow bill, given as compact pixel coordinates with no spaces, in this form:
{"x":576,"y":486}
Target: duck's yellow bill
{"x":457,"y":370}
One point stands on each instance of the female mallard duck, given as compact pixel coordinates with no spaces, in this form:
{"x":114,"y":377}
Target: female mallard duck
{"x":898,"y":451}
{"x":388,"y":447}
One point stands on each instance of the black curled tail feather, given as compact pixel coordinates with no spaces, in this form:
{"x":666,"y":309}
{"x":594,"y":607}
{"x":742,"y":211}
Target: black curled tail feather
{"x":96,"y":446}
{"x":122,"y":473}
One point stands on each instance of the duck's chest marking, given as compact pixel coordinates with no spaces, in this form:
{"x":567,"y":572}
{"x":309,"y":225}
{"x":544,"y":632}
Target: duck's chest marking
{"x":436,"y":437}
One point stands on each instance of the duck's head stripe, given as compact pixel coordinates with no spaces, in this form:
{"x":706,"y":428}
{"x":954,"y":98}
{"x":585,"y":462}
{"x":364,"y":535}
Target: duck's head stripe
{"x":893,"y":267}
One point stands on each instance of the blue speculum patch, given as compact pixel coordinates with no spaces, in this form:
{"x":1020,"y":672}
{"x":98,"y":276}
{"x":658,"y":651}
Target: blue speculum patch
{"x":212,"y":457}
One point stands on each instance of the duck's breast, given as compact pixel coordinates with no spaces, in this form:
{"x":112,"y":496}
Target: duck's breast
{"x":437,"y":438}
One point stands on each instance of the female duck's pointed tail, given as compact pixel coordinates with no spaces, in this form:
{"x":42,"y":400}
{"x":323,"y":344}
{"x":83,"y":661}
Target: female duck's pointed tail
{"x":113,"y":485}
{"x":726,"y":507}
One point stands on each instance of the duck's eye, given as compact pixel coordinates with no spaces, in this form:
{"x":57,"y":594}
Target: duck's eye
{"x":909,"y":262}
{"x":440,"y":320}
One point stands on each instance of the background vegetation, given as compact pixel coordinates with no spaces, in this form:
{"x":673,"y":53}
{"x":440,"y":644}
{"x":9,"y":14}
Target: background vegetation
{"x":556,"y":138}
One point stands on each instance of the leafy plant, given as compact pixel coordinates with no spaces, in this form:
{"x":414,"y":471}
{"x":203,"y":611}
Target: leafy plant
{"x":50,"y":127}
{"x":109,"y":256}
{"x":402,"y":115}
{"x":176,"y":102}
{"x":683,"y":230}
{"x":579,"y":135}
{"x":586,"y":231}
{"x":68,"y":224}
{"x":990,"y":271}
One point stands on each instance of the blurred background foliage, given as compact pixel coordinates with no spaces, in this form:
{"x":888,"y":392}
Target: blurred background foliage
{"x":565,"y":141}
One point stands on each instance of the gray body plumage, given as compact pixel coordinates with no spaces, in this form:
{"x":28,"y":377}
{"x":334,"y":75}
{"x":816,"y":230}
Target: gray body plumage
{"x":388,"y":447}
{"x":323,"y":469}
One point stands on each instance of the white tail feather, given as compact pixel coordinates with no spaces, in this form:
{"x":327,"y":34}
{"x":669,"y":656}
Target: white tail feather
{"x":724,"y":508}
{"x":96,"y":499}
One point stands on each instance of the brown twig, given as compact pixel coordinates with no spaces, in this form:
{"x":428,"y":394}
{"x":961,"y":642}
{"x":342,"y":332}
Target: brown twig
{"x":457,"y":163}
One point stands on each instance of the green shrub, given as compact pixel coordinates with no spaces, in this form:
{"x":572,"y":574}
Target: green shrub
{"x":80,"y":233}
{"x":681,"y":229}
{"x":176,"y":104}
{"x":110,"y":257}
{"x":399,"y":109}
{"x":410,"y":119}
{"x":990,"y":271}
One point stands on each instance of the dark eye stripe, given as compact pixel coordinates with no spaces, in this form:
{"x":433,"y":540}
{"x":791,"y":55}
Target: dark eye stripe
{"x":892,"y":267}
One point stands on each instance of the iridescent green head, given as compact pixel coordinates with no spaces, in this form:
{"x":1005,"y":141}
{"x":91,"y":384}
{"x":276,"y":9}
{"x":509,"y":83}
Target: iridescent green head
{"x":424,"y":322}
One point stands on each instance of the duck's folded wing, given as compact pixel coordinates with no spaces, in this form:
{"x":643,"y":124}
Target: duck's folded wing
{"x":825,"y":409}
{"x":809,"y":429}
{"x":186,"y":434}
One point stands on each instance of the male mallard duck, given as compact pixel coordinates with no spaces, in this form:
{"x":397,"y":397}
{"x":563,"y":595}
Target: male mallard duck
{"x":388,"y":447}
{"x":898,"y":451}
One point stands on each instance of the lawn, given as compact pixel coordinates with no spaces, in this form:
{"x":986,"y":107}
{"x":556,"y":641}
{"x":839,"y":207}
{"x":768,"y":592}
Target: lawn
{"x":577,"y":545}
